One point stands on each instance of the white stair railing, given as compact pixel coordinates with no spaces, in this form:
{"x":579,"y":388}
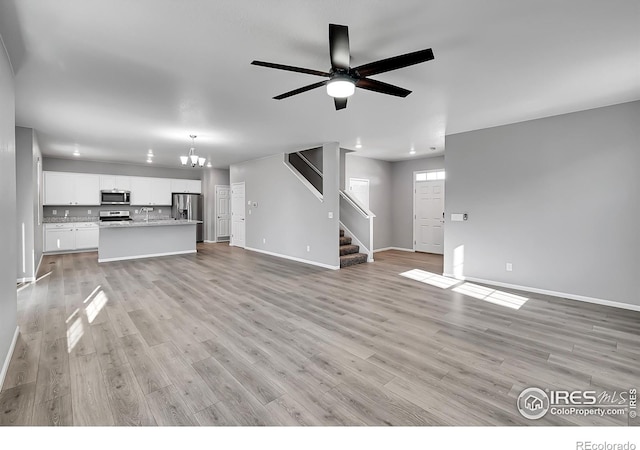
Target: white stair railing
{"x":358,"y":223}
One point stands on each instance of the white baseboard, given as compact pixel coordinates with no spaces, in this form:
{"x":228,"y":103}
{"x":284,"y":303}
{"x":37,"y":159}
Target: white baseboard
{"x":152,"y":255}
{"x":38,"y":266}
{"x":394,"y":248}
{"x":580,"y":298}
{"x":7,"y":360}
{"x":209,"y":242}
{"x":293,"y":258}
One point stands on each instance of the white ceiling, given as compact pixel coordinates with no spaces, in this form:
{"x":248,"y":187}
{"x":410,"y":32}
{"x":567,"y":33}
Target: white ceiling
{"x":114,"y":78}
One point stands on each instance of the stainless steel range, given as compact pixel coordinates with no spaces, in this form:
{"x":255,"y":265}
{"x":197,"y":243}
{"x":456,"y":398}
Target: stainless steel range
{"x":115,"y":216}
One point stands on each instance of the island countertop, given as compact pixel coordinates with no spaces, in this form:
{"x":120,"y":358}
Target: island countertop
{"x":150,"y":223}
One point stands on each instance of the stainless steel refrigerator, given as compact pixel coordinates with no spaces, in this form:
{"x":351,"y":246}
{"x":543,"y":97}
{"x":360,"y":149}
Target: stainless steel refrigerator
{"x":189,"y":206}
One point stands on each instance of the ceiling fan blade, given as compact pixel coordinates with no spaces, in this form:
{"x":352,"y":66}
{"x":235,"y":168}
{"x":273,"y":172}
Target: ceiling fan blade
{"x":300,"y":90}
{"x":383,"y":88}
{"x":396,"y":62}
{"x":339,"y":46}
{"x":291,"y":68}
{"x":341,"y":103}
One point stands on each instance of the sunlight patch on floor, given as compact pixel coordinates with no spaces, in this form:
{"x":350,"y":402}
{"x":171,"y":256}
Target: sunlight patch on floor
{"x":491,"y":295}
{"x":486,"y":294}
{"x":430,"y":278}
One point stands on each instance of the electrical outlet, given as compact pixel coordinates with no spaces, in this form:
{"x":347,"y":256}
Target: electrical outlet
{"x":159,"y":211}
{"x":54,"y":212}
{"x":264,"y":240}
{"x":66,"y":212}
{"x":509,"y":267}
{"x":330,"y":215}
{"x":88,"y":212}
{"x":135,"y":211}
{"x":308,"y":248}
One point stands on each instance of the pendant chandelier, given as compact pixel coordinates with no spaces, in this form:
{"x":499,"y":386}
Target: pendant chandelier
{"x":192,"y":159}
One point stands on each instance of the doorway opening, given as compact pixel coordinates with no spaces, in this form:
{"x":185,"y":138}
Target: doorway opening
{"x":237,"y":215}
{"x":428,"y":211}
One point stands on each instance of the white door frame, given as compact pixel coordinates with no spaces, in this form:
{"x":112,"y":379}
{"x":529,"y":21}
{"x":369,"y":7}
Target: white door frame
{"x":232,"y":243}
{"x":413,"y":221}
{"x":215,"y":213}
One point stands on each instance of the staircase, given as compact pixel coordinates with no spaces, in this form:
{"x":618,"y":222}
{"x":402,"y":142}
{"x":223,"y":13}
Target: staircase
{"x":349,"y":255}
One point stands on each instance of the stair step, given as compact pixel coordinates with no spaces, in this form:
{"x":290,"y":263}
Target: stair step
{"x":341,"y":233}
{"x":345,"y":240}
{"x":349,"y":249}
{"x":352,"y":259}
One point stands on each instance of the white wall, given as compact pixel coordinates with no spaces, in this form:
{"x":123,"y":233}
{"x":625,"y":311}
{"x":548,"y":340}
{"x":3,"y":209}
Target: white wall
{"x":557,"y":197}
{"x":8,"y":255}
{"x":379,"y":175}
{"x":289,"y":216}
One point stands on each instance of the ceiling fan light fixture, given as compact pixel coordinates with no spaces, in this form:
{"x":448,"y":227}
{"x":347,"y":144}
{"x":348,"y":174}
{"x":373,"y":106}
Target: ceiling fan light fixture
{"x":341,"y":87}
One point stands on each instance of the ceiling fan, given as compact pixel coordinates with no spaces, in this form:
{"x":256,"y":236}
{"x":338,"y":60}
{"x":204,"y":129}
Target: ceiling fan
{"x":344,"y":79}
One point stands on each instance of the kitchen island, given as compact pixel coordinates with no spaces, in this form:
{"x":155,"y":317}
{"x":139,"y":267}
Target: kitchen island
{"x":146,"y":239}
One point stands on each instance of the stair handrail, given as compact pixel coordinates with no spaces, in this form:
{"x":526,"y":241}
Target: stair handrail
{"x":366,"y":213}
{"x":309,"y":163}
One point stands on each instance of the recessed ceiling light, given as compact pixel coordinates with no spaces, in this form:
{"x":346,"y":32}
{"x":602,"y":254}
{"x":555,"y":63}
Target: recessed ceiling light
{"x":76,"y":153}
{"x":150,"y":152}
{"x":209,"y":164}
{"x":149,"y":160}
{"x":358,"y":144}
{"x":412,"y":151}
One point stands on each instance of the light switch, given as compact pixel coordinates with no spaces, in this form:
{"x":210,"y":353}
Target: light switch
{"x":330,"y":215}
{"x":457,"y":217}
{"x":54,"y":212}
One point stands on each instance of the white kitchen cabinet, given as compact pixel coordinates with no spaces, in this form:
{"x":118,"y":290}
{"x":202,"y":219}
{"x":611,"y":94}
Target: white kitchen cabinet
{"x":186,"y":186}
{"x":178,"y":185}
{"x":150,"y":191}
{"x":115,"y":182}
{"x":64,"y":188}
{"x":87,"y":189}
{"x":70,"y":236}
{"x":160,"y":191}
{"x":194,"y":186}
{"x":58,"y":188}
{"x":140,"y":191}
{"x":59,"y":237}
{"x":86,"y":235}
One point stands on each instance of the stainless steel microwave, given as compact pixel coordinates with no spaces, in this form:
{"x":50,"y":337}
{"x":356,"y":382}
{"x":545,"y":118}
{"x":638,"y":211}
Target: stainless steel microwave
{"x":115,"y":197}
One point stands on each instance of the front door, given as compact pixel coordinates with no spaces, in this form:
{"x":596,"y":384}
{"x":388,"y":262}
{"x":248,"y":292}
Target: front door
{"x":237,"y":215}
{"x":359,"y":189}
{"x":429,"y":216}
{"x":223,"y":212}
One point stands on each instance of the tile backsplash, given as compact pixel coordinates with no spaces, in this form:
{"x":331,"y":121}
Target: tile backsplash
{"x":87,"y":212}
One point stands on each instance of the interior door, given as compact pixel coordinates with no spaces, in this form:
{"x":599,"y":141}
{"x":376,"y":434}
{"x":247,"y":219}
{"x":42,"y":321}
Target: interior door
{"x":223,"y":212}
{"x":359,"y":189}
{"x":429,"y":216}
{"x":237,"y":215}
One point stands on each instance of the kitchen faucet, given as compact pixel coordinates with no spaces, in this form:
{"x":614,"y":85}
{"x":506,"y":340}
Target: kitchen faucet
{"x":146,"y":209}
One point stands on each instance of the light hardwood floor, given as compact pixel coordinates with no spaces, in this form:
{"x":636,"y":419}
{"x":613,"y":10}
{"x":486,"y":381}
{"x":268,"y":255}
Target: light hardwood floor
{"x":231,"y":337}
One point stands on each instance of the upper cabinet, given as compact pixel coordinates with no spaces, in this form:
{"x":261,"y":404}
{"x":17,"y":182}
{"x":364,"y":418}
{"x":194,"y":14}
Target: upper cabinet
{"x":186,"y":186}
{"x":64,"y":188}
{"x":150,"y":191}
{"x":114,"y":182}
